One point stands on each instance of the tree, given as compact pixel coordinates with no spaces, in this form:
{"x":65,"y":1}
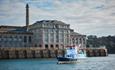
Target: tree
{"x":108,"y":41}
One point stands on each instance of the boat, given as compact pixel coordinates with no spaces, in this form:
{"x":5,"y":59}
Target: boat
{"x":69,"y":57}
{"x":72,"y":54}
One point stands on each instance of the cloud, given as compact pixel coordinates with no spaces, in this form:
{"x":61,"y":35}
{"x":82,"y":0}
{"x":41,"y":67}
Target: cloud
{"x":84,"y":16}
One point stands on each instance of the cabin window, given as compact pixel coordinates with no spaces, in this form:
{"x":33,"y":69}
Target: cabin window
{"x":68,"y":56}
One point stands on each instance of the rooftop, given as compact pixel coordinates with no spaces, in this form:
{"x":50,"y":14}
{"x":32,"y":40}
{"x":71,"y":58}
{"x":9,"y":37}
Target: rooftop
{"x":12,"y":29}
{"x":76,"y":34}
{"x":51,"y":21}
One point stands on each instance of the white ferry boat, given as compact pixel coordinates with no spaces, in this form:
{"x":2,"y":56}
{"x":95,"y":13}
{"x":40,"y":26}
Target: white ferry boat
{"x":72,"y":54}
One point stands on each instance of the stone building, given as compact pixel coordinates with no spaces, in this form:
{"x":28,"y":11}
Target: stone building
{"x":78,"y":39}
{"x":42,"y":34}
{"x":50,"y":34}
{"x":54,"y":34}
{"x":14,"y":36}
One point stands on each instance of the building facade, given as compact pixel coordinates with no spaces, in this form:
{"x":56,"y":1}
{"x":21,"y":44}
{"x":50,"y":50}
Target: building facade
{"x":50,"y":34}
{"x":78,"y":39}
{"x":13,"y":36}
{"x":55,"y":34}
{"x":43,"y":34}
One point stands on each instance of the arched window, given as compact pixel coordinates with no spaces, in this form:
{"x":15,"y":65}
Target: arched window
{"x":57,"y":46}
{"x":52,"y":46}
{"x":46,"y":46}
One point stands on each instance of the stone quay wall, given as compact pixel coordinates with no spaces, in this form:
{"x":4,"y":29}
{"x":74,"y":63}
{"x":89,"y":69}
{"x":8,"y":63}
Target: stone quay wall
{"x":95,"y":52}
{"x":33,"y":52}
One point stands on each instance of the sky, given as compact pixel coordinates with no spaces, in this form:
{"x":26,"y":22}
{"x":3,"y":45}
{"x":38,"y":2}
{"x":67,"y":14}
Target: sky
{"x":89,"y":17}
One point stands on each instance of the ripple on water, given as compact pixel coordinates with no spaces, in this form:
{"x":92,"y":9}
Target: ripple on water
{"x":91,"y":63}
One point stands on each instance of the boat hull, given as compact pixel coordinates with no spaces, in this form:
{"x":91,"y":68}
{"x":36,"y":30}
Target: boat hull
{"x":65,"y":59}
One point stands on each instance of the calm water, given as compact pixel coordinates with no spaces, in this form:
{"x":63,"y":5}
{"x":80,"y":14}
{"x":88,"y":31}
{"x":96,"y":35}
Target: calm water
{"x":91,"y":63}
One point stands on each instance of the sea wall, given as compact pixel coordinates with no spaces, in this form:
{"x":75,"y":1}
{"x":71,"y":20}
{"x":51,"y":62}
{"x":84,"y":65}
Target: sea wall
{"x":95,"y":52}
{"x":12,"y":53}
{"x":16,"y":53}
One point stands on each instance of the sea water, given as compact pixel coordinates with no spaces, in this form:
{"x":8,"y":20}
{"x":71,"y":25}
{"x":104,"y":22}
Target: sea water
{"x":90,"y":63}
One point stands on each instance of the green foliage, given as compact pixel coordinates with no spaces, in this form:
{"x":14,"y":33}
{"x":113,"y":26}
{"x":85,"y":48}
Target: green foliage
{"x":108,"y":41}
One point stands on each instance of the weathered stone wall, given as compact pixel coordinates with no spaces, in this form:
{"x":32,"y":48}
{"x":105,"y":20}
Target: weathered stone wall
{"x":15,"y":53}
{"x":95,"y":52}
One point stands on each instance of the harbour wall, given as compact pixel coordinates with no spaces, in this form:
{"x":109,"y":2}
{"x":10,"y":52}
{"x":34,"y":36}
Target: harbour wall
{"x":17,"y":53}
{"x":96,"y":52}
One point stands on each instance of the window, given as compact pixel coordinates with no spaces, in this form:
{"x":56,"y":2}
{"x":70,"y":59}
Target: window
{"x":35,"y":45}
{"x":46,"y":46}
{"x":40,"y":45}
{"x":61,"y":37}
{"x":0,"y":38}
{"x":25,"y":45}
{"x":52,"y":46}
{"x":25,"y":39}
{"x":51,"y":37}
{"x":57,"y":46}
{"x":76,"y":40}
{"x":84,"y":41}
{"x":30,"y":39}
{"x":80,"y":40}
{"x":46,"y":37}
{"x":57,"y":38}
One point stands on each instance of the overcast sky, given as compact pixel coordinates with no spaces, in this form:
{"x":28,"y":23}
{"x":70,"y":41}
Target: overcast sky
{"x":89,"y":17}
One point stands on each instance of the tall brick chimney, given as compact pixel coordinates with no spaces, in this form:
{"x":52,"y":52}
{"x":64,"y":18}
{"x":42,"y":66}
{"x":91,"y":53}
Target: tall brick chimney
{"x":27,"y":16}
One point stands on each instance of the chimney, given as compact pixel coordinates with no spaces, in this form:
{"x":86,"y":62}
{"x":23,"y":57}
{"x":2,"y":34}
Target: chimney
{"x":27,"y":16}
